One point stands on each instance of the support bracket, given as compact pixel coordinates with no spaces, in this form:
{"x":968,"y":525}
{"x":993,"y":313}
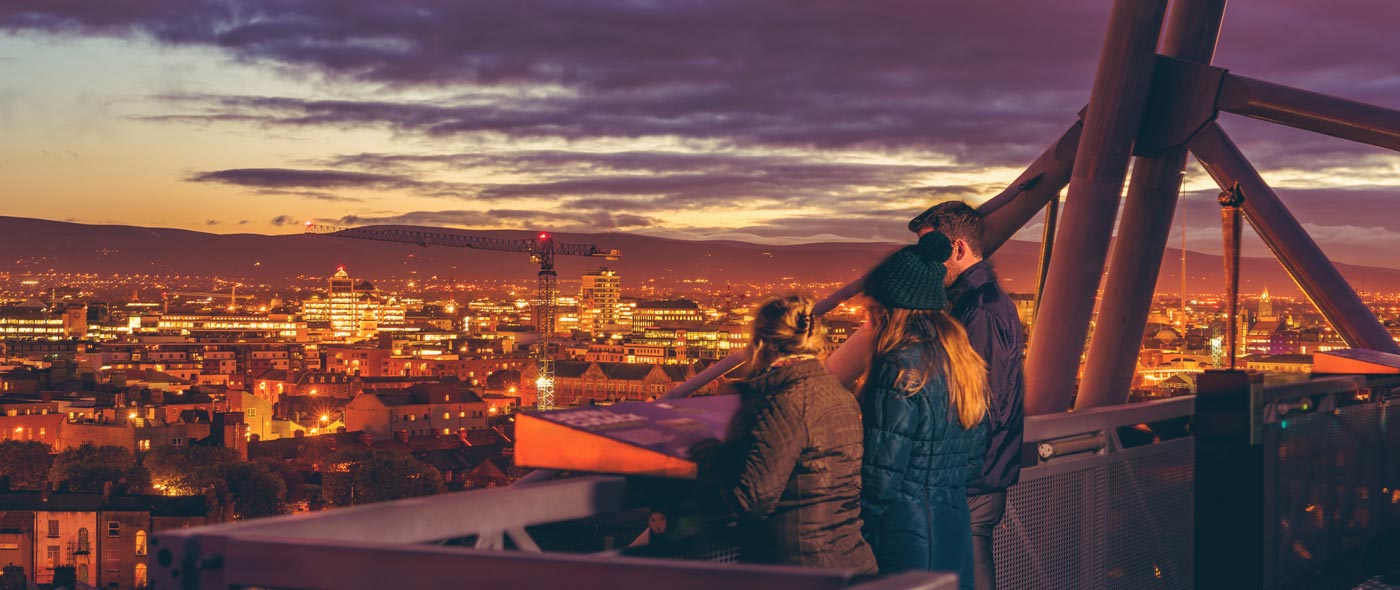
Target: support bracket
{"x":1180,"y":103}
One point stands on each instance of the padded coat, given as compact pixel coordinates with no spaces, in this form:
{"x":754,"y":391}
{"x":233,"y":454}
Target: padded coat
{"x":798,"y":451}
{"x":916,"y":464}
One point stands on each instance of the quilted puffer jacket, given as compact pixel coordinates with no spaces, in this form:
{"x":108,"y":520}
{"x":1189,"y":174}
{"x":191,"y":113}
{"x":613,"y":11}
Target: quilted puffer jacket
{"x":797,"y":452}
{"x":917,"y":460}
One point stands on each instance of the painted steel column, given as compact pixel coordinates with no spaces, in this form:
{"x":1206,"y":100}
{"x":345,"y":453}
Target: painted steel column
{"x":1291,"y":244}
{"x":1100,"y":165}
{"x":1319,"y":113}
{"x":1008,"y":212}
{"x":1047,"y":247}
{"x":1191,"y":34}
{"x":1230,"y":201}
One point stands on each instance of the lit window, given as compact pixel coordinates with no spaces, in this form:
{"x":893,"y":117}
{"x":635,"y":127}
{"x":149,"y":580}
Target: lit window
{"x":141,"y":581}
{"x":446,"y":415}
{"x":446,"y":431}
{"x":140,"y":542}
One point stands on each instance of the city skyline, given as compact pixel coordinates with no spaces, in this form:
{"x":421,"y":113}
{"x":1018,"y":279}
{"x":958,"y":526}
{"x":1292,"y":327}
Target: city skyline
{"x":691,"y":121}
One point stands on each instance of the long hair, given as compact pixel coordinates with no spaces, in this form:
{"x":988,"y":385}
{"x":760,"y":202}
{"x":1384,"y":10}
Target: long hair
{"x":964,"y":370}
{"x":784,"y":326}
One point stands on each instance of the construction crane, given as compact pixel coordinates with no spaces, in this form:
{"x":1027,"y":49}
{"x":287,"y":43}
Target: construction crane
{"x":542,"y":249}
{"x":232,"y":295}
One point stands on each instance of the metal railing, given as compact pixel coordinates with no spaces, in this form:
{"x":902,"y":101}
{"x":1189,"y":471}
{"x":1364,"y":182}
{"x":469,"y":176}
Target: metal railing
{"x":1105,"y":501}
{"x":395,"y":545}
{"x":1331,"y":473}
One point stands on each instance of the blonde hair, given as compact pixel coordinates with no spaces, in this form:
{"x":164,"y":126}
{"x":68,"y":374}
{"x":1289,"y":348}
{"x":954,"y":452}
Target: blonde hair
{"x":965,"y":370}
{"x":784,"y":326}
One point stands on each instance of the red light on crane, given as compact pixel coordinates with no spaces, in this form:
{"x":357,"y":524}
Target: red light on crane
{"x":544,"y":236}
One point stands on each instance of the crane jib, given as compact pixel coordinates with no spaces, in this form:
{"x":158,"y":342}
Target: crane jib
{"x":542,"y":250}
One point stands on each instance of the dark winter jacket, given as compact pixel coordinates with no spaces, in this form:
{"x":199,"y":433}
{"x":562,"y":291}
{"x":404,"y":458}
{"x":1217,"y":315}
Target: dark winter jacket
{"x":996,"y":334}
{"x":798,"y":455}
{"x":917,"y":460}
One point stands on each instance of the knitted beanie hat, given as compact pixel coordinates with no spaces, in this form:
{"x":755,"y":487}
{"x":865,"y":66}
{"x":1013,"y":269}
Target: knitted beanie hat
{"x":912,"y":278}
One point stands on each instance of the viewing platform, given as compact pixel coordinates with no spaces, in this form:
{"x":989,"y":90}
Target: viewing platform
{"x":1161,"y":494}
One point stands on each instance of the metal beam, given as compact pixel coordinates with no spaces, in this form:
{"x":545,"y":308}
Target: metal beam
{"x":1147,"y":219}
{"x":1291,"y":244}
{"x":1230,"y":202}
{"x":1006,"y":213}
{"x":1100,"y":165}
{"x":1047,"y":247}
{"x":1338,"y":117}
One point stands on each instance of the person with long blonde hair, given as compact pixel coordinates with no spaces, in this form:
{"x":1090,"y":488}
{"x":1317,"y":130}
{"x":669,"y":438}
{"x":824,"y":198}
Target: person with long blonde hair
{"x":793,"y":463}
{"x":923,"y":400}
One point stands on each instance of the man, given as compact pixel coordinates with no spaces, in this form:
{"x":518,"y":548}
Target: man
{"x":996,"y":333}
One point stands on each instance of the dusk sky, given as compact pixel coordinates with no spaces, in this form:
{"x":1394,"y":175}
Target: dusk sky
{"x":758,"y":120}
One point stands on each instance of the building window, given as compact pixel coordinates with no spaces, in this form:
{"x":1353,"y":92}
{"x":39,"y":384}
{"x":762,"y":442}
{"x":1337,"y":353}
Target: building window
{"x":113,"y":561}
{"x":53,"y":529}
{"x":52,"y":553}
{"x":140,"y":542}
{"x":446,"y":431}
{"x":447,"y":415}
{"x":144,"y":444}
{"x":114,"y":528}
{"x":84,"y":544}
{"x":140,"y":579}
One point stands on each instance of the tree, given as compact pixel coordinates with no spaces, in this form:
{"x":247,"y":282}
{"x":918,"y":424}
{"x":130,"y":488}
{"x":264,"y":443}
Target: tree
{"x":25,"y":464}
{"x":89,"y":469}
{"x":188,"y":470}
{"x":363,"y":476}
{"x":255,"y":490}
{"x":292,"y":480}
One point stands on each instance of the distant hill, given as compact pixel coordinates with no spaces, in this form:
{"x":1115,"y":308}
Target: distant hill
{"x":34,"y":245}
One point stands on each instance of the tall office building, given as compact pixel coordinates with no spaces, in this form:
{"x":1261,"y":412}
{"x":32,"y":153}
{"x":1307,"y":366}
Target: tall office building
{"x":599,"y":301}
{"x":352,"y":309}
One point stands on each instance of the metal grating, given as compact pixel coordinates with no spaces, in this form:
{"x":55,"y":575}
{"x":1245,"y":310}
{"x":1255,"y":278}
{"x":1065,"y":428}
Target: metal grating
{"x":1390,"y":426}
{"x":1331,"y":491}
{"x":1151,"y":512}
{"x":1052,"y":536}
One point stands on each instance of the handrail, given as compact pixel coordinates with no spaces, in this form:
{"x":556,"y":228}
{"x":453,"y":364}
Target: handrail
{"x":1056,"y":426}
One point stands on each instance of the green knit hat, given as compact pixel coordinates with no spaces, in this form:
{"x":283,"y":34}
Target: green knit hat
{"x":912,"y":278}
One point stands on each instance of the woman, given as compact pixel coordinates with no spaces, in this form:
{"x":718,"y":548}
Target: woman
{"x":796,"y":451}
{"x":923,"y":401}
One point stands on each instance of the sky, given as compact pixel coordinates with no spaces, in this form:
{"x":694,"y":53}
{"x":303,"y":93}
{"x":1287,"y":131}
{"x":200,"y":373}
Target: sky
{"x":768,"y":121}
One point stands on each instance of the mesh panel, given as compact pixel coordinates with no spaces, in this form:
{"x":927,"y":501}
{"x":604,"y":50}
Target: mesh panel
{"x":1052,"y":535}
{"x":1331,"y":490}
{"x":1150,"y":514}
{"x":1391,"y":488}
{"x":724,"y":555}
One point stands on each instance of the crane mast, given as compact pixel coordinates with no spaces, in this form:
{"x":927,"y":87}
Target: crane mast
{"x":542,"y":250}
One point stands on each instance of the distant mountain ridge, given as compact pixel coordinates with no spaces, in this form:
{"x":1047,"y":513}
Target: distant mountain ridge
{"x":36,"y":245}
